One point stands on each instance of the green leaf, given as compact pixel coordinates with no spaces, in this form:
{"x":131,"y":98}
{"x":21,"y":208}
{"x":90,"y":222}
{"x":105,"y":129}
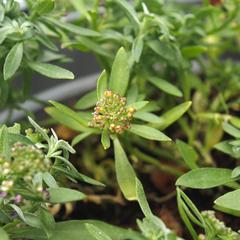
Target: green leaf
{"x":193,"y":51}
{"x":230,"y":200}
{"x":204,"y":178}
{"x":81,"y":7}
{"x":166,"y":51}
{"x":105,"y":140}
{"x":119,"y":77}
{"x":73,"y":28}
{"x":226,"y":147}
{"x":65,"y":119}
{"x":84,"y":43}
{"x":30,"y":219}
{"x":97,"y":233}
{"x":13,"y":61}
{"x":231,"y":130}
{"x":165,"y":86}
{"x":130,"y":12}
{"x":80,"y":137}
{"x":173,"y":115}
{"x":39,"y":129}
{"x":125,"y":174}
{"x":63,"y":195}
{"x":69,"y":112}
{"x":141,"y":197}
{"x":146,"y":116}
{"x":148,"y":132}
{"x":51,"y":71}
{"x":48,"y":222}
{"x":87,"y":101}
{"x":137,"y":48}
{"x":188,"y":154}
{"x":4,"y":142}
{"x":236,"y":172}
{"x":3,"y":234}
{"x":101,"y":84}
{"x":76,"y":230}
{"x":4,"y":32}
{"x":49,"y":180}
{"x":44,"y":6}
{"x":138,"y":105}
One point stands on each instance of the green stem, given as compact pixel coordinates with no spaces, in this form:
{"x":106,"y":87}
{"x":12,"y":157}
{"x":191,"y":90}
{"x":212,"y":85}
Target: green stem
{"x":156,"y":163}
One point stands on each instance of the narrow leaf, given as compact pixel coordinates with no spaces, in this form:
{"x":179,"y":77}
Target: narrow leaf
{"x":138,"y":105}
{"x":101,"y":84}
{"x":87,"y":101}
{"x":63,"y":195}
{"x":173,"y":115}
{"x":146,"y":116}
{"x":204,"y":178}
{"x":188,"y":154}
{"x":13,"y":61}
{"x":130,"y":12}
{"x":51,"y":71}
{"x":165,"y":86}
{"x":119,"y":77}
{"x":142,"y":200}
{"x":148,"y":132}
{"x":126,"y":176}
{"x":105,"y":140}
{"x":231,"y":130}
{"x":230,"y":200}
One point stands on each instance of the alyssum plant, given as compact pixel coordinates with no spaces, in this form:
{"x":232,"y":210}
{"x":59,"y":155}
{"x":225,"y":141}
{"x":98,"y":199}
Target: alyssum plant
{"x":144,"y":46}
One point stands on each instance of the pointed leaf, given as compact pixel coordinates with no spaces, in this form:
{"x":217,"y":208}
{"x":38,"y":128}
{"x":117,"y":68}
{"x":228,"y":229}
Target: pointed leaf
{"x":165,"y":86}
{"x":142,"y":200}
{"x":148,"y":132}
{"x":51,"y":71}
{"x":130,"y":12}
{"x":101,"y":84}
{"x":204,"y":178}
{"x":231,"y":130}
{"x":63,"y":195}
{"x":173,"y":115}
{"x":138,"y":105}
{"x":125,"y":174}
{"x":119,"y":77}
{"x":230,"y":200}
{"x":105,"y":140}
{"x":87,"y":101}
{"x":188,"y":154}
{"x":13,"y":61}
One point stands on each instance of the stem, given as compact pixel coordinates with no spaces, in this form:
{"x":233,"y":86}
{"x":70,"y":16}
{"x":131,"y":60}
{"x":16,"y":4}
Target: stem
{"x":156,"y":163}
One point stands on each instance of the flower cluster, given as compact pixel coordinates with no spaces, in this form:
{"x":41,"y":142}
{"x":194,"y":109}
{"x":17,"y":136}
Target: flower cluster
{"x":219,"y":227}
{"x":24,"y":162}
{"x":112,"y":113}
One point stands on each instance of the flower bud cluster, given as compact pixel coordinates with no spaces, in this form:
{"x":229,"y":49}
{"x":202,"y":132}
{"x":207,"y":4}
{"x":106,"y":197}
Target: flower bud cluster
{"x":218,"y":226}
{"x":24,"y":162}
{"x":112,"y":113}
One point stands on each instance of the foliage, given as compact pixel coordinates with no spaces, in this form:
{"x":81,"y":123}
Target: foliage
{"x":168,"y":74}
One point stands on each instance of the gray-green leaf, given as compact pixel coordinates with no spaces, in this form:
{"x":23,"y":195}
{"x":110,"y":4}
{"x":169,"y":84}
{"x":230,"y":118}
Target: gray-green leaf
{"x":203,"y":178}
{"x":125,"y":174}
{"x":148,"y":132}
{"x":13,"y":61}
{"x":119,"y":77}
{"x":165,"y":86}
{"x":51,"y":71}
